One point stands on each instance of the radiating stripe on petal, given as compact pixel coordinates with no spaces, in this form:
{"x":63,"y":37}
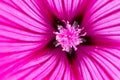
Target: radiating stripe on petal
{"x":99,"y":62}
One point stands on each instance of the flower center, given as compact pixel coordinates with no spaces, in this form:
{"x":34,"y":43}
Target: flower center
{"x":68,"y":37}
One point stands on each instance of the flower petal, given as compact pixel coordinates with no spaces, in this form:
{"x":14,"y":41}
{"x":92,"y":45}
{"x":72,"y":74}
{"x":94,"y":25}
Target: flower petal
{"x":67,"y":9}
{"x":34,"y":66}
{"x":102,"y":23}
{"x":98,"y":63}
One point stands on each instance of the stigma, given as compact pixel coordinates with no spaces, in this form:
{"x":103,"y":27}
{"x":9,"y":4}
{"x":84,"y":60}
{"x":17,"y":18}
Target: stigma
{"x":69,"y":37}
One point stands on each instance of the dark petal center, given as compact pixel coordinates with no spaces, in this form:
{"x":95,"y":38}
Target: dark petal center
{"x":52,"y":43}
{"x":71,"y":55}
{"x":57,"y":22}
{"x":87,"y":40}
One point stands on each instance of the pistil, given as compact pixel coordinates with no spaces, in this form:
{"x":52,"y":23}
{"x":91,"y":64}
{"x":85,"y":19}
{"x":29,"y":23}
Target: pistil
{"x":68,"y":37}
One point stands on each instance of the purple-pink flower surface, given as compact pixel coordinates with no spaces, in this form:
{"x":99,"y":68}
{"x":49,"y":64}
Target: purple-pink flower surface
{"x":59,"y":39}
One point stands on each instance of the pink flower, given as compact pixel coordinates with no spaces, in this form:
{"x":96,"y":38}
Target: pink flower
{"x":59,"y":40}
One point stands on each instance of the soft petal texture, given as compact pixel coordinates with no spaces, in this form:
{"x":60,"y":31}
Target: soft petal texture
{"x":103,"y":22}
{"x":99,"y":63}
{"x":26,"y":27}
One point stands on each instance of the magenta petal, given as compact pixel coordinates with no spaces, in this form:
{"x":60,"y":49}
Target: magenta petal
{"x":102,"y":22}
{"x":27,"y":40}
{"x":97,"y":63}
{"x":33,"y":67}
{"x":23,"y":17}
{"x":67,"y":9}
